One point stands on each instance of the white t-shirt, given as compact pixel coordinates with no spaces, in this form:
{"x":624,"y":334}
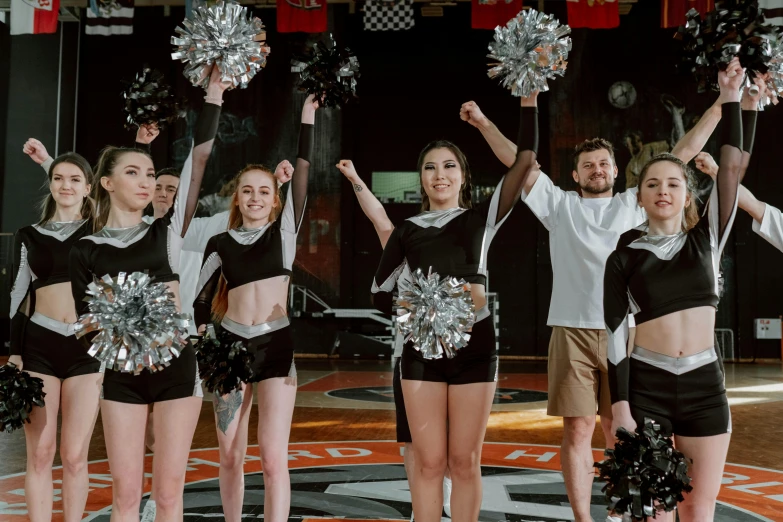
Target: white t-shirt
{"x":582,"y":234}
{"x":199,"y":232}
{"x":771,"y":227}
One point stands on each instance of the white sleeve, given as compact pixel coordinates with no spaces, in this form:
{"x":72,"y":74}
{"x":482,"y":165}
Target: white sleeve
{"x":201,"y":229}
{"x":287,"y":217}
{"x":544,"y":200}
{"x":771,"y":227}
{"x":47,"y":164}
{"x":181,"y":200}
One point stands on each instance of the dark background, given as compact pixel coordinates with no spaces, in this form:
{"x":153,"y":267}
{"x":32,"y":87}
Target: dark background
{"x":411,"y":87}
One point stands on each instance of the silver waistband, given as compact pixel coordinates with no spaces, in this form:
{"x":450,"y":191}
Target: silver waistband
{"x":675,"y":365}
{"x":248,"y":331}
{"x":64,"y":329}
{"x":482,"y":313}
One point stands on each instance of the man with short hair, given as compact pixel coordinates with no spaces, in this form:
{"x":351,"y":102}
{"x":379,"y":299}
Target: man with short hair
{"x":583,"y":230}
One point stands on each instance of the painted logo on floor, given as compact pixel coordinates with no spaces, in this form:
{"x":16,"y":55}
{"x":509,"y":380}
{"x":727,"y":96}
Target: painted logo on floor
{"x":366,"y":481}
{"x":386,"y":394}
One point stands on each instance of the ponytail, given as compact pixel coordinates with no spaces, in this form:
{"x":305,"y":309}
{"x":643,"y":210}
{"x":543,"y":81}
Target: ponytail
{"x":107,"y":162}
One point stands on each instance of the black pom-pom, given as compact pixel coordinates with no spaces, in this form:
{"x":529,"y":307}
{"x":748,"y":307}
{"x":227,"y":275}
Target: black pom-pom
{"x":224,"y":363}
{"x":329,"y":73}
{"x":644,"y":474}
{"x":736,"y":28}
{"x":19,"y":393}
{"x":149,"y":100}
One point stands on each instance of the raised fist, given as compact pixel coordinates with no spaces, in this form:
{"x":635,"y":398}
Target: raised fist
{"x":35,"y":150}
{"x":471,"y":113}
{"x":284,"y":171}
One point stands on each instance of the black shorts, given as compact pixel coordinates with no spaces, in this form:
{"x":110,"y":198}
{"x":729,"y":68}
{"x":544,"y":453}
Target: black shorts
{"x":403,"y":430}
{"x":273,"y":351}
{"x":691,"y":404}
{"x":50,"y":348}
{"x":477,"y":362}
{"x":177,"y":381}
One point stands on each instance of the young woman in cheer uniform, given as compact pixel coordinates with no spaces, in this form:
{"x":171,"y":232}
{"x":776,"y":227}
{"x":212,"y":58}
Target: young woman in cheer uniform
{"x":126,"y":243}
{"x":243,"y":288}
{"x":666,"y":273}
{"x":44,"y":344}
{"x":448,"y":401}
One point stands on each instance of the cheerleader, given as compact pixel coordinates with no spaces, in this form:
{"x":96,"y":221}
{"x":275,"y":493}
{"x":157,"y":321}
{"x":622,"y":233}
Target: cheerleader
{"x":665,"y":273}
{"x":125,"y":243}
{"x":243,"y":289}
{"x":43,"y":341}
{"x":448,"y":401}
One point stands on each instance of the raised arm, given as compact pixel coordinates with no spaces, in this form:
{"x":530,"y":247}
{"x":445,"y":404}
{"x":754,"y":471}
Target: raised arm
{"x":293,"y":211}
{"x":145,"y":136}
{"x":372,"y":208}
{"x":505,"y":150}
{"x":695,"y":139}
{"x":19,"y":295}
{"x":207,"y":286}
{"x":192,"y":173}
{"x":37,"y":152}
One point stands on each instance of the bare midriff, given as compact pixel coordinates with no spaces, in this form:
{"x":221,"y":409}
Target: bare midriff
{"x":678,"y":334}
{"x":259,"y":302}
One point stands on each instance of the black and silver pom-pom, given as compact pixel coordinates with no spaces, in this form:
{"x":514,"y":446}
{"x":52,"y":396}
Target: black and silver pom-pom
{"x":435,"y":313}
{"x":644,"y":474}
{"x":149,"y":100}
{"x":137,"y":322}
{"x":224,"y":363}
{"x":736,"y":29}
{"x":529,"y":50}
{"x":329,"y":73}
{"x":19,"y":394}
{"x":225,"y":35}
{"x":774,"y":76}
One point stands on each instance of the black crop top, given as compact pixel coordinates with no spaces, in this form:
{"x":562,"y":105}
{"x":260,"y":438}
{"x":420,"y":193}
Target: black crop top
{"x":454,"y":242}
{"x":152,"y":247}
{"x":652,"y":276}
{"x":243,"y":255}
{"x":40,"y":259}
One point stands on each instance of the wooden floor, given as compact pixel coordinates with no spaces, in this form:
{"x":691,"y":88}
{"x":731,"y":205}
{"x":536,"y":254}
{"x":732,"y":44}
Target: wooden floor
{"x":350,"y":402}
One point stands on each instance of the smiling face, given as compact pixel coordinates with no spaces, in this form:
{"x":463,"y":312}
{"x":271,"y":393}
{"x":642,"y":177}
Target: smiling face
{"x":595,"y":172}
{"x":165,"y":190}
{"x":442,"y":178}
{"x":663,"y":191}
{"x":68,"y":185}
{"x":256,"y":197}
{"x":131,"y":184}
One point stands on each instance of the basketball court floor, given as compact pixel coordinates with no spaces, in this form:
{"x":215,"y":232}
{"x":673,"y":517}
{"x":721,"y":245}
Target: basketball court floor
{"x":345,"y":464}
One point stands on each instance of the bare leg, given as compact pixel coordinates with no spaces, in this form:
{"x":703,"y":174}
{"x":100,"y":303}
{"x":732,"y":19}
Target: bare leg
{"x":577,"y":463}
{"x":709,"y":457}
{"x":232,"y":418}
{"x":123,"y":428}
{"x":41,"y":437}
{"x":276,"y":398}
{"x":175,"y":423}
{"x":426,"y":404}
{"x":80,"y":397}
{"x":469,"y":408}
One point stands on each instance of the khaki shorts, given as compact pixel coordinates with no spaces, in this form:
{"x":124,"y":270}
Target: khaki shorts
{"x":578,"y":373}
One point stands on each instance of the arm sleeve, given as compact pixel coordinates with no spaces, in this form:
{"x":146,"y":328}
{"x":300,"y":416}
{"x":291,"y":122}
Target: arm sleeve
{"x":192,"y":173}
{"x":81,"y":277}
{"x":19,"y":293}
{"x":207,"y":285}
{"x":616,"y":309}
{"x":146,"y":147}
{"x":510,"y":187}
{"x":47,"y":164}
{"x":724,"y":197}
{"x":771,"y":227}
{"x":296,"y":199}
{"x":389,"y":270}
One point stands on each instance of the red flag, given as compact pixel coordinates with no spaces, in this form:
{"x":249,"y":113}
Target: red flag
{"x":673,"y":11}
{"x":301,"y":16}
{"x":593,"y":14}
{"x":492,"y":14}
{"x":34,"y":16}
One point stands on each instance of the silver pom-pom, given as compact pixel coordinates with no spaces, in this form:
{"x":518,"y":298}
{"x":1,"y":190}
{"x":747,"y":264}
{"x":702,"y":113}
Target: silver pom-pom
{"x":532,"y":48}
{"x":436,"y":314}
{"x":225,"y":35}
{"x":138,"y":323}
{"x":774,"y":76}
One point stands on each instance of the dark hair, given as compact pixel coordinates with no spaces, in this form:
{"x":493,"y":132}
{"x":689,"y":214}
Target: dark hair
{"x":107,"y":161}
{"x":168,"y":171}
{"x":466,"y":194}
{"x":592,"y":146}
{"x":691,"y":211}
{"x":49,"y":205}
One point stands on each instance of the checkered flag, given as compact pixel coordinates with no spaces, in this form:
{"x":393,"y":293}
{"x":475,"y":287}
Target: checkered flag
{"x":380,"y":15}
